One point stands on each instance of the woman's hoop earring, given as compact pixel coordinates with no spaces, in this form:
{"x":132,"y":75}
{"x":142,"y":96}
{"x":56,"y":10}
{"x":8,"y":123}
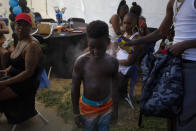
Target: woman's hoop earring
{"x":135,"y":29}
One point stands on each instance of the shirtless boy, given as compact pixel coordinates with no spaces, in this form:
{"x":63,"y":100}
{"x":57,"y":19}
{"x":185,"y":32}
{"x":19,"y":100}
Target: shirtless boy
{"x":99,"y":74}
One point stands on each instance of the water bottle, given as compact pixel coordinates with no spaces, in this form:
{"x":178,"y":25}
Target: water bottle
{"x":59,"y":18}
{"x":69,"y":24}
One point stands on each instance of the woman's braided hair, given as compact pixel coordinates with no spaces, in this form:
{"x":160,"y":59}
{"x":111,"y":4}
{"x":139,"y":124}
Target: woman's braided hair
{"x":122,"y":5}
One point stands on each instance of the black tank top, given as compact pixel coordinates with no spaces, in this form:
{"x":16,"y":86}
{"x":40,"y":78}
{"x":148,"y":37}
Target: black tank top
{"x":18,"y":66}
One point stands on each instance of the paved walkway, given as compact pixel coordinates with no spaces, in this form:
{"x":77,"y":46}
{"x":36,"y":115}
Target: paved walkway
{"x":36,"y":124}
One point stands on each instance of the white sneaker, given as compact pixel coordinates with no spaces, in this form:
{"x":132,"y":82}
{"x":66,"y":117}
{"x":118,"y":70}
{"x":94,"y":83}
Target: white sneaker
{"x":129,"y":102}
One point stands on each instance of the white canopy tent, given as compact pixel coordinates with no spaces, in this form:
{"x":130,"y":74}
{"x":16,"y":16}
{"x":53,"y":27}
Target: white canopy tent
{"x":153,"y":10}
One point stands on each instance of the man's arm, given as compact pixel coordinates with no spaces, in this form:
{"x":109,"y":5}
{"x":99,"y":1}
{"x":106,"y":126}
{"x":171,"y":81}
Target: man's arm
{"x":195,"y":4}
{"x":3,"y":29}
{"x":132,"y":58}
{"x":76,"y":82}
{"x":161,"y":32}
{"x":75,"y":92}
{"x":115,"y":87}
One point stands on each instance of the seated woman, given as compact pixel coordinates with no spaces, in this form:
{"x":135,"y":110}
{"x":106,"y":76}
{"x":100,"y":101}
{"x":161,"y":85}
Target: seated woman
{"x":20,"y":78}
{"x":115,"y":22}
{"x":4,"y":55}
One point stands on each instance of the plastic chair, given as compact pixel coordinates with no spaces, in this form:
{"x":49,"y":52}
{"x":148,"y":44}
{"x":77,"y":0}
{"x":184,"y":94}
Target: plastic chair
{"x":37,"y":17}
{"x":152,"y":29}
{"x":76,"y":20}
{"x":19,"y":109}
{"x":47,"y":20}
{"x":40,"y":116}
{"x":28,"y":111}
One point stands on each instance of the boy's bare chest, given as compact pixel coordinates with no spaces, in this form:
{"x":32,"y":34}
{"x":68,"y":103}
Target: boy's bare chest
{"x":104,"y":68}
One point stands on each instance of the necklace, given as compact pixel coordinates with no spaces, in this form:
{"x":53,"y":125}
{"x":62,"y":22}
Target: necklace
{"x":177,"y":8}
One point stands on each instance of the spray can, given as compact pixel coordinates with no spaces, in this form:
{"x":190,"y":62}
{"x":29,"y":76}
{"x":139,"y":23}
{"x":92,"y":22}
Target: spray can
{"x":71,"y":23}
{"x":128,"y":49}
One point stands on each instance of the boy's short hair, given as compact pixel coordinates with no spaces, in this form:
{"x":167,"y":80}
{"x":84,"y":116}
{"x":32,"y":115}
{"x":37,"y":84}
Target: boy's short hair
{"x":97,"y":29}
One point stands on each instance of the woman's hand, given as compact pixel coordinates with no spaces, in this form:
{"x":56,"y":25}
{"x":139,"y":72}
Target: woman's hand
{"x":3,"y":73}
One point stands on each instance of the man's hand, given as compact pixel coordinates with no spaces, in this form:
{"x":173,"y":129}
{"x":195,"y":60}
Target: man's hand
{"x":79,"y":121}
{"x":129,"y":43}
{"x":176,"y":49}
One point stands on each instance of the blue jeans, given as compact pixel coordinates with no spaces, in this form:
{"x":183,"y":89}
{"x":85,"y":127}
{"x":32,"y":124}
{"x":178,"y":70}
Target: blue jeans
{"x":101,"y":123}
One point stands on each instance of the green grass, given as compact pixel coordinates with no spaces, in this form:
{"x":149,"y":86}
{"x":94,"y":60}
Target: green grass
{"x":59,"y":99}
{"x":50,"y":98}
{"x":128,"y":118}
